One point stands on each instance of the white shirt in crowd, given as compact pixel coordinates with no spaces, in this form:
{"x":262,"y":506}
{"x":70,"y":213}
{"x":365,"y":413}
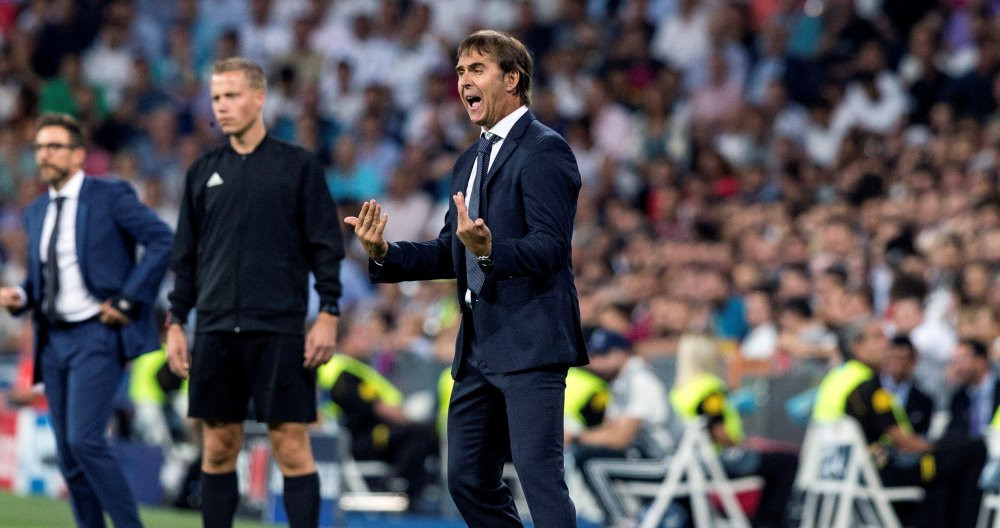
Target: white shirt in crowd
{"x":637,"y":393}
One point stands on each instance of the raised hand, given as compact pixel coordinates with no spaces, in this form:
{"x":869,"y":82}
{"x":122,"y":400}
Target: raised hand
{"x":368,"y":227}
{"x":473,"y":233}
{"x":10,"y":298}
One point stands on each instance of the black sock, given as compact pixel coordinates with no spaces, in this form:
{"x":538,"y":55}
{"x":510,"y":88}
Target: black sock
{"x":302,"y":501}
{"x":219,"y":498}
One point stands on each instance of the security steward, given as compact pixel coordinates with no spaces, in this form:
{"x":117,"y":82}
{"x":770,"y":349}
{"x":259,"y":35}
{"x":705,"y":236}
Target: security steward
{"x":948,"y":472}
{"x":370,"y":407}
{"x":698,"y":391}
{"x":587,"y":396}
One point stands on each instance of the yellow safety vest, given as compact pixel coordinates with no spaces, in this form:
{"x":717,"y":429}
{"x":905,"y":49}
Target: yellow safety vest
{"x":445,"y":384}
{"x":831,"y":398}
{"x":688,"y":397}
{"x":582,"y":387}
{"x":142,"y":384}
{"x":995,"y":423}
{"x":380,"y":388}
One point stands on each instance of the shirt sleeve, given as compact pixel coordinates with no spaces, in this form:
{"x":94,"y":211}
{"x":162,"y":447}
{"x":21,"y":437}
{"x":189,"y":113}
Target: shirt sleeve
{"x":647,"y":400}
{"x":184,"y":260}
{"x":321,"y":234}
{"x":871,"y":405}
{"x":356,"y":399}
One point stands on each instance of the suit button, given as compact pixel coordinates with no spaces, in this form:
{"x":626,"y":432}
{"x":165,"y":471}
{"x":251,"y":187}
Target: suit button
{"x":237,"y":329}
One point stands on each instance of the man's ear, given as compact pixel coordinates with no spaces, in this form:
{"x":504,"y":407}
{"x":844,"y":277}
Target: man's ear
{"x":79,"y":156}
{"x":510,"y":81}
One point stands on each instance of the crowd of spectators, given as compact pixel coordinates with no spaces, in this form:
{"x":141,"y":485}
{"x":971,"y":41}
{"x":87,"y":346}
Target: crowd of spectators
{"x":765,"y":171}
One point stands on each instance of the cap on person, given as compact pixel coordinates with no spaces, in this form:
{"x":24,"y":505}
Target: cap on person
{"x":603,"y":341}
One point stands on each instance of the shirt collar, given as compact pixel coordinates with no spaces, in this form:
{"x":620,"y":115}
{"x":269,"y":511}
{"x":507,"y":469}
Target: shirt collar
{"x":984,"y":385}
{"x":71,"y":189}
{"x":892,"y":385}
{"x":502,"y":128}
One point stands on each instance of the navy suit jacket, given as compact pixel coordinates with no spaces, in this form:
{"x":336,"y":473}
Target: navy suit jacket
{"x":110,"y":225}
{"x":959,"y":409}
{"x":920,"y":409}
{"x":527,"y":314}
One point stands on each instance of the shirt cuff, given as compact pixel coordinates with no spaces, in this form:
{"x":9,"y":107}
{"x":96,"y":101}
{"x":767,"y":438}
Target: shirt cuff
{"x":174,"y":318}
{"x":23,"y":295}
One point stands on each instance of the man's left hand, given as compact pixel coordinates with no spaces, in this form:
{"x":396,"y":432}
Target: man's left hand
{"x":473,"y":233}
{"x":321,"y":341}
{"x":111,"y":316}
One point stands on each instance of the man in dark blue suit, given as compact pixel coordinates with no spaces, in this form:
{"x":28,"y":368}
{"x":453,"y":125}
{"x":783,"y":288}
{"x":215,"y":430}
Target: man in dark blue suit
{"x":507,"y":240}
{"x":92,"y":307}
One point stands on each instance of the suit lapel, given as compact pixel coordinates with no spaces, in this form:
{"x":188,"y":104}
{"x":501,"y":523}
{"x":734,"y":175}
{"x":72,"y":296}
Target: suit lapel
{"x":509,"y":144}
{"x":81,"y":224}
{"x":36,"y":221}
{"x":460,"y":181}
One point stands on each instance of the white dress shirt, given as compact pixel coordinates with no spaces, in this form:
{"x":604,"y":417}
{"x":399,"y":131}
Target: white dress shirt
{"x":501,"y":130}
{"x":73,"y":302}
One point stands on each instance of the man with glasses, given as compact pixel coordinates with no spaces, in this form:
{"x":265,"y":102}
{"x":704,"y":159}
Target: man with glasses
{"x":92,"y":304}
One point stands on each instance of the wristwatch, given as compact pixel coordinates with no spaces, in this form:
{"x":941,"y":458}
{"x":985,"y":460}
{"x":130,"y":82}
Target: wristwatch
{"x":174,"y":320}
{"x":330,"y":308}
{"x":485,"y":261}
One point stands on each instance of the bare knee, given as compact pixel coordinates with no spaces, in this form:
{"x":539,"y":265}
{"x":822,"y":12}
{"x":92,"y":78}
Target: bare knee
{"x":222,"y":444}
{"x":292,"y":451}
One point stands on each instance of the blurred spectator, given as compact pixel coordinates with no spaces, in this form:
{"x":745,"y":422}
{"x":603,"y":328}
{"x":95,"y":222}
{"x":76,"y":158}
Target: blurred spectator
{"x":407,"y":202}
{"x":108,"y":62}
{"x":801,"y":336}
{"x":69,"y":93}
{"x":896,"y":377}
{"x":698,"y":391}
{"x":854,"y":390}
{"x":262,"y":40}
{"x":761,"y":342}
{"x":349,"y":178}
{"x":370,"y":408}
{"x":978,"y":394}
{"x":634,"y":424}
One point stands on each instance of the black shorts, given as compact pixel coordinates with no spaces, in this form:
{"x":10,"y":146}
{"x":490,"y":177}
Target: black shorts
{"x":227,"y":369}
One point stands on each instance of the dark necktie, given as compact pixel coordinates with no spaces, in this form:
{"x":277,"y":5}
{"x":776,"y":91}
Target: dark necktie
{"x":475,"y":278}
{"x":50,"y":272}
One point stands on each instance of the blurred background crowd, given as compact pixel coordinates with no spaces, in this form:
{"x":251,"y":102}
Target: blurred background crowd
{"x":765,"y":171}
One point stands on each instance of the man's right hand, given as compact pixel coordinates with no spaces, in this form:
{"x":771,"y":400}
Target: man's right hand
{"x":10,"y":298}
{"x":178,"y":357}
{"x":368,"y":227}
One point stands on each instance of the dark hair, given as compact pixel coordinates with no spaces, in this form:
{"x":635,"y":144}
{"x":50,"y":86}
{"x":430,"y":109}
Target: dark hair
{"x":509,"y":53}
{"x":977,"y":347}
{"x":798,"y":306}
{"x":903,"y":340}
{"x":65,"y":121}
{"x":253,"y":72}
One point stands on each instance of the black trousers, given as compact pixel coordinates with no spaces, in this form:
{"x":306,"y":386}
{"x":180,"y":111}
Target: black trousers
{"x":953,"y":495}
{"x":492,"y":414}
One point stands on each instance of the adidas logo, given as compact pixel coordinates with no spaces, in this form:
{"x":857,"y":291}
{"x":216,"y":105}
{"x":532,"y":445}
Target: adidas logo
{"x":214,"y":180}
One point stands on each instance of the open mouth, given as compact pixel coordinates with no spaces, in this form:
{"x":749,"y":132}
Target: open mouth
{"x":473,"y":101}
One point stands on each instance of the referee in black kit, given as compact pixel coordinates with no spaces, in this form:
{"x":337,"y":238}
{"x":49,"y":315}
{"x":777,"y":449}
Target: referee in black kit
{"x":255,"y":218}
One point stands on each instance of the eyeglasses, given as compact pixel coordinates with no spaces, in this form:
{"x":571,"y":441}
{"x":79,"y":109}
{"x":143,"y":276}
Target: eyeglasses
{"x":52,"y":146}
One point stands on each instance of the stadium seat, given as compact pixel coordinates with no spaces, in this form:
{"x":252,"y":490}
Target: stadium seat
{"x":991,"y":491}
{"x":841,"y":486}
{"x":693,"y":470}
{"x":357,"y":494}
